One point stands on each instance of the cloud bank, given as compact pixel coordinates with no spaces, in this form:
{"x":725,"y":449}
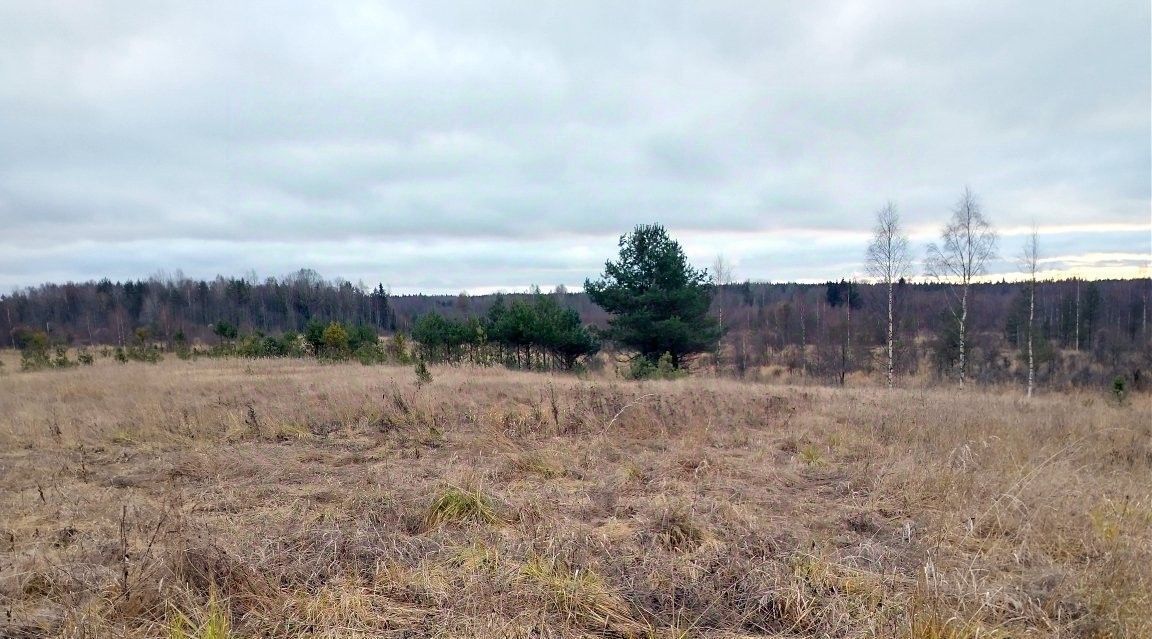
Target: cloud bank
{"x":441,"y":146}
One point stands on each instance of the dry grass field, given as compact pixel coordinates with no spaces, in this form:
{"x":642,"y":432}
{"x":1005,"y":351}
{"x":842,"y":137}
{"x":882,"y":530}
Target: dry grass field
{"x":217,"y":499}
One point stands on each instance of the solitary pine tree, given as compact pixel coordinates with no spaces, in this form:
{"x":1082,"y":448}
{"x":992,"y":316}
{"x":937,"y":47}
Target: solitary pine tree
{"x":659,"y":301}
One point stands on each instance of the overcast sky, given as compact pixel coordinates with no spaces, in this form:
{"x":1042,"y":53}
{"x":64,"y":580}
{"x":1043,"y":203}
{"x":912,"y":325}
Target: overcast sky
{"x":443,"y":146}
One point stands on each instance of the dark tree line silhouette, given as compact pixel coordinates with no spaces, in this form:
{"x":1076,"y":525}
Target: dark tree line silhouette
{"x":1087,"y":331}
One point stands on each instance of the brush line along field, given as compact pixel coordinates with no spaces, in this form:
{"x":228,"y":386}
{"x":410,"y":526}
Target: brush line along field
{"x":288,"y":498}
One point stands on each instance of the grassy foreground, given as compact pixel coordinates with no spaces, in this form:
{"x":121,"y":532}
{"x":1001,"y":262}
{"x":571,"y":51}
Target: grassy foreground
{"x":292,"y":499}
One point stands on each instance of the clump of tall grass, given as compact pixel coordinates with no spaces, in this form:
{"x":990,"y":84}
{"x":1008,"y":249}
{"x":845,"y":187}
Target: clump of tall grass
{"x":676,"y":530}
{"x":811,"y":456}
{"x":215,"y":625}
{"x":539,"y":465}
{"x":460,"y":505}
{"x":579,"y":596}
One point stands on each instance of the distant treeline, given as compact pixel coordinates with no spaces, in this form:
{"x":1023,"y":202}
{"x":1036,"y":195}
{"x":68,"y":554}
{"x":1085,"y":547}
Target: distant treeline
{"x":1087,"y":331}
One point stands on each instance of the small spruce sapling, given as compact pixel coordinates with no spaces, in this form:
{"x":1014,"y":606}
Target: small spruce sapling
{"x":423,"y":375}
{"x":1119,"y":389}
{"x":61,"y":360}
{"x":666,"y":369}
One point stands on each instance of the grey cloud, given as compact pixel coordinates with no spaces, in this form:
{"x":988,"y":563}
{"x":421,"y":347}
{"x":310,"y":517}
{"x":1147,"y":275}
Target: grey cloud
{"x":204,"y":134}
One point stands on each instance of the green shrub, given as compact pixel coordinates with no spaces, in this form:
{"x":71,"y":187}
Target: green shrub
{"x":261,"y":345}
{"x":138,"y":353}
{"x":362,"y":335}
{"x":61,"y":359}
{"x":33,"y":361}
{"x":334,"y":342}
{"x":225,"y":331}
{"x":369,"y":354}
{"x":314,"y":336}
{"x":33,"y":350}
{"x":1119,"y":388}
{"x":640,"y":368}
{"x":292,"y":345}
{"x":423,"y":375}
{"x":665,"y":369}
{"x":397,"y":349}
{"x":643,"y":368}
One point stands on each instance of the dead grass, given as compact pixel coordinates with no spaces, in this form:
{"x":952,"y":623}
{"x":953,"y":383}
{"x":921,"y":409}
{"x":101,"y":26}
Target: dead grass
{"x":289,"y":499}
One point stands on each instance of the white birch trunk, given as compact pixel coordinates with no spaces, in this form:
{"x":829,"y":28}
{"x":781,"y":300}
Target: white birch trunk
{"x":848,"y":341}
{"x":1031,"y":339}
{"x":891,"y":358}
{"x":963,"y":333}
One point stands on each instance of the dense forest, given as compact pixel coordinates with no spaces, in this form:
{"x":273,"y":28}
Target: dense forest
{"x":1088,"y":331}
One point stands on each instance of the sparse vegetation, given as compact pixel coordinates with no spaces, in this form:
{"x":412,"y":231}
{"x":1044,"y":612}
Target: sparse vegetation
{"x":325,"y":500}
{"x":423,"y":375}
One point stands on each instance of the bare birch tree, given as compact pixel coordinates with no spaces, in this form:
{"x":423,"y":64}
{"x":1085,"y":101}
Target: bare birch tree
{"x":721,"y":278}
{"x":967,"y":243}
{"x":1077,"y":315}
{"x":1029,"y":260}
{"x":888,"y":261}
{"x":846,"y":347}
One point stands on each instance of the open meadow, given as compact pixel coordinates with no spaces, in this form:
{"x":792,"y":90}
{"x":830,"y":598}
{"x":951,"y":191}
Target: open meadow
{"x":289,"y":498}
